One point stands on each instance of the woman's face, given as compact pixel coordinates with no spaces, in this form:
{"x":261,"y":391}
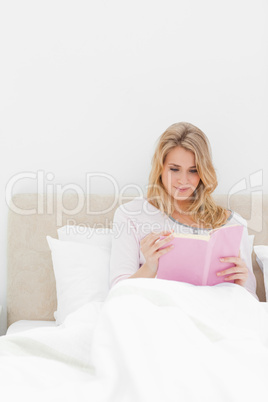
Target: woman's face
{"x":179,"y":175}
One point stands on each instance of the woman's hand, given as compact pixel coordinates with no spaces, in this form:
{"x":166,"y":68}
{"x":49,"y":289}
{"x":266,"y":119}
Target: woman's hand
{"x":239,"y":273}
{"x":150,"y":245}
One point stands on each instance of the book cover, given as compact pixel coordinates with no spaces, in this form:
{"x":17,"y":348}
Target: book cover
{"x":195,"y":259}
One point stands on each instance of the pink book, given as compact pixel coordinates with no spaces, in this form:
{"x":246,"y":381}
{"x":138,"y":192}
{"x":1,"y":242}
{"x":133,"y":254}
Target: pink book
{"x":195,"y":259}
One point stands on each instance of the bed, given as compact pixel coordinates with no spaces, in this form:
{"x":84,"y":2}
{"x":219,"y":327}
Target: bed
{"x":143,"y":340}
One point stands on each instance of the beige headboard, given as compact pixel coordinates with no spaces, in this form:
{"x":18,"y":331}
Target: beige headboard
{"x":31,"y":291}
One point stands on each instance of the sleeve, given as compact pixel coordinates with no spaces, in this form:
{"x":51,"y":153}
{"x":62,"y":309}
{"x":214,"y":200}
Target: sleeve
{"x":125,"y":252}
{"x":245,"y":254}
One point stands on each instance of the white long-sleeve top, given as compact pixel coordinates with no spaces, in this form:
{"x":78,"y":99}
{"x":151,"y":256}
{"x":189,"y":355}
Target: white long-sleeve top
{"x":137,"y":218}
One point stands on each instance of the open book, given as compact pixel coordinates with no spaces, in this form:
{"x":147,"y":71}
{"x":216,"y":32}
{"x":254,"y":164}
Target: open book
{"x":195,"y":259}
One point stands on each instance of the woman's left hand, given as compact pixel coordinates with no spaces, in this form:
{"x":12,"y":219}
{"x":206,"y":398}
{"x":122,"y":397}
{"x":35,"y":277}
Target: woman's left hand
{"x":239,"y":273}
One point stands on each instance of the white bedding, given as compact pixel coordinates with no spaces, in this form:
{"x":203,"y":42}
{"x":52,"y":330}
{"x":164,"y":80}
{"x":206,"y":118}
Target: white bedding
{"x":25,"y":325}
{"x":150,"y":340}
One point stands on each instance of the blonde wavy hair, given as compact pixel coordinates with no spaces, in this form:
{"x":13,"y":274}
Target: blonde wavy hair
{"x":202,"y":207}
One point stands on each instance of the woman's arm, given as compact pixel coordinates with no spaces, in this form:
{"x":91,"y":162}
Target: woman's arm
{"x":150,"y":247}
{"x":125,"y":251}
{"x":125,"y":254}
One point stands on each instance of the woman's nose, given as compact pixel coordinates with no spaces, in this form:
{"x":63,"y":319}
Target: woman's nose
{"x":183,"y":178}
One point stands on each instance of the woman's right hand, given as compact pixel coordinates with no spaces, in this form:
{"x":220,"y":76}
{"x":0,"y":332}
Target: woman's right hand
{"x":150,"y":245}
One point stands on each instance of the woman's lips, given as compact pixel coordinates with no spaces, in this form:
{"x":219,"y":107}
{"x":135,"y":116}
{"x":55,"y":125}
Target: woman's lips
{"x":182,"y":189}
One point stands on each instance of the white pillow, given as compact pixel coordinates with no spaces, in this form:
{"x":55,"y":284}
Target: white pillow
{"x":86,"y":235}
{"x":251,"y":241}
{"x":81,"y":273}
{"x":262,"y":259}
{"x":262,"y":256}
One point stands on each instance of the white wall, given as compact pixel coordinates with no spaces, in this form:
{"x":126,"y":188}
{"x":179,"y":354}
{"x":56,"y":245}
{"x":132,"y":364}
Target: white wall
{"x":88,"y":86}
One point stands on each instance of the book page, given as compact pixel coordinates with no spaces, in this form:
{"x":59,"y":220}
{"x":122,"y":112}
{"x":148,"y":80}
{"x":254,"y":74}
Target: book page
{"x":185,"y":262}
{"x":226,"y":243}
{"x":195,"y":259}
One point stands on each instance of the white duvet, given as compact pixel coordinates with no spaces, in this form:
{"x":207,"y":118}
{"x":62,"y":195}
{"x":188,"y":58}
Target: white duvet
{"x":151,"y":340}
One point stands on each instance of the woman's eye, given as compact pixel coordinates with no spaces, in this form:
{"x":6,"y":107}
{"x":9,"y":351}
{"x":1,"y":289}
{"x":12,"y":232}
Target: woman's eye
{"x":176,"y":170}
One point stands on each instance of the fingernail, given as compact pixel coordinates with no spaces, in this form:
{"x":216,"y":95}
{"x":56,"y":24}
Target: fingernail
{"x":221,"y":259}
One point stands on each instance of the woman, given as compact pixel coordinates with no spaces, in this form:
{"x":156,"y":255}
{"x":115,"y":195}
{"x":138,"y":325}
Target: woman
{"x":179,"y":200}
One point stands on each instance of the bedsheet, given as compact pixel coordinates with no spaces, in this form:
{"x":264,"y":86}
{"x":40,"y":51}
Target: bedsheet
{"x":25,"y":325}
{"x":150,"y":340}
